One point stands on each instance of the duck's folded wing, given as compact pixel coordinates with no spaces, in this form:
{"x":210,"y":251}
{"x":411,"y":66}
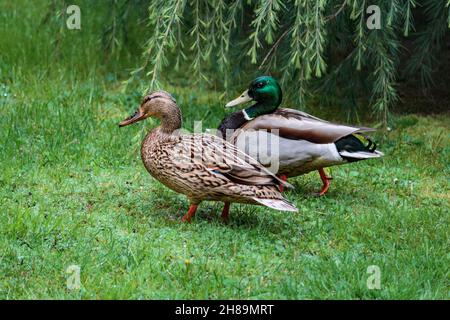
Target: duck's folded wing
{"x":223,"y":158}
{"x":294,"y":124}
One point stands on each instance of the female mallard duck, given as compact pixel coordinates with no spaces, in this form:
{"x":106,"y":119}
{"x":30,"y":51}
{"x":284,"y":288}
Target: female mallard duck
{"x":202,"y":166}
{"x":306,"y":143}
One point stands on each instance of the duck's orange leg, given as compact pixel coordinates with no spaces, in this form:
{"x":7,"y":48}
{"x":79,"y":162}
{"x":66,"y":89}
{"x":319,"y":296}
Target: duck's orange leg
{"x":191,"y":212}
{"x":284,"y":178}
{"x":225,"y":211}
{"x":325,"y":181}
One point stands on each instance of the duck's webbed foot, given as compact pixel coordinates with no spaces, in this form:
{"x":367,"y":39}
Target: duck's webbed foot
{"x":191,"y":212}
{"x":325,"y":180}
{"x":284,"y":178}
{"x":225,"y":212}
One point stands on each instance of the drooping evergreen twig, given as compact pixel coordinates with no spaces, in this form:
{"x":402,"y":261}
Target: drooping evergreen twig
{"x":199,"y":37}
{"x":309,"y":45}
{"x":428,"y":43}
{"x":164,"y":17}
{"x":266,"y":21}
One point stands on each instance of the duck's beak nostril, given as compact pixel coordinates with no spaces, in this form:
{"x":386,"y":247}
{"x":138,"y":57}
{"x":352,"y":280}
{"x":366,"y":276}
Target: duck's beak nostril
{"x":244,"y":97}
{"x":138,"y":115}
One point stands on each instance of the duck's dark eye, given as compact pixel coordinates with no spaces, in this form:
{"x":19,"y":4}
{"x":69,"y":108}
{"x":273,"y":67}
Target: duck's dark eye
{"x":260,"y":84}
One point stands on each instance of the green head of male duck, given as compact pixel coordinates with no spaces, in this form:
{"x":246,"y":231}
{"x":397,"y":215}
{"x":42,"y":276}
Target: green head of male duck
{"x":265,"y":91}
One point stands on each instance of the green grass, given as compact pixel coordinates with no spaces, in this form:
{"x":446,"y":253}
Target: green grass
{"x":74,"y":191}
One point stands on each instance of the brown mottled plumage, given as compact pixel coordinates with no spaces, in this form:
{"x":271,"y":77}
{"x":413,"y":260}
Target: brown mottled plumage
{"x":202,"y":166}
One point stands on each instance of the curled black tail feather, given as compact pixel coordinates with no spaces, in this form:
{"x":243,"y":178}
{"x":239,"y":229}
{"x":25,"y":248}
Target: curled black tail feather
{"x":374,"y":145}
{"x":352,"y":144}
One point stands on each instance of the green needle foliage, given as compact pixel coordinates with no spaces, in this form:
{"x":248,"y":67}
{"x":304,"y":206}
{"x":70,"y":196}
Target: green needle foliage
{"x":312,"y":46}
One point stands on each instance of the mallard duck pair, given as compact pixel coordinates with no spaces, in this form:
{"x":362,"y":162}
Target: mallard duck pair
{"x":206,"y":167}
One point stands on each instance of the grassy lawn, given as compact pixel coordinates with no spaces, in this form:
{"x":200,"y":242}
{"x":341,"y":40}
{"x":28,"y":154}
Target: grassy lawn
{"x":73,"y":191}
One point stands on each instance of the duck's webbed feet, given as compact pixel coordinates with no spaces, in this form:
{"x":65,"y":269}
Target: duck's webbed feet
{"x":191,"y":212}
{"x":225,"y":212}
{"x":284,"y":178}
{"x":325,"y":180}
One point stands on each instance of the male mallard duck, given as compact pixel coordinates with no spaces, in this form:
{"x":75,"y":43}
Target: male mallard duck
{"x":306,"y":143}
{"x":202,"y":166}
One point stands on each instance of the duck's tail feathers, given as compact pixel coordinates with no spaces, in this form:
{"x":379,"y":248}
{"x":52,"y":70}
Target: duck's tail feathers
{"x":360,"y":155}
{"x":277,"y":204}
{"x":356,"y":147}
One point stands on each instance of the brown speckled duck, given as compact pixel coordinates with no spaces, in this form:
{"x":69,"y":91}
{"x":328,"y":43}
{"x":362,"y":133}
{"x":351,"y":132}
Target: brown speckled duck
{"x":202,"y":166}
